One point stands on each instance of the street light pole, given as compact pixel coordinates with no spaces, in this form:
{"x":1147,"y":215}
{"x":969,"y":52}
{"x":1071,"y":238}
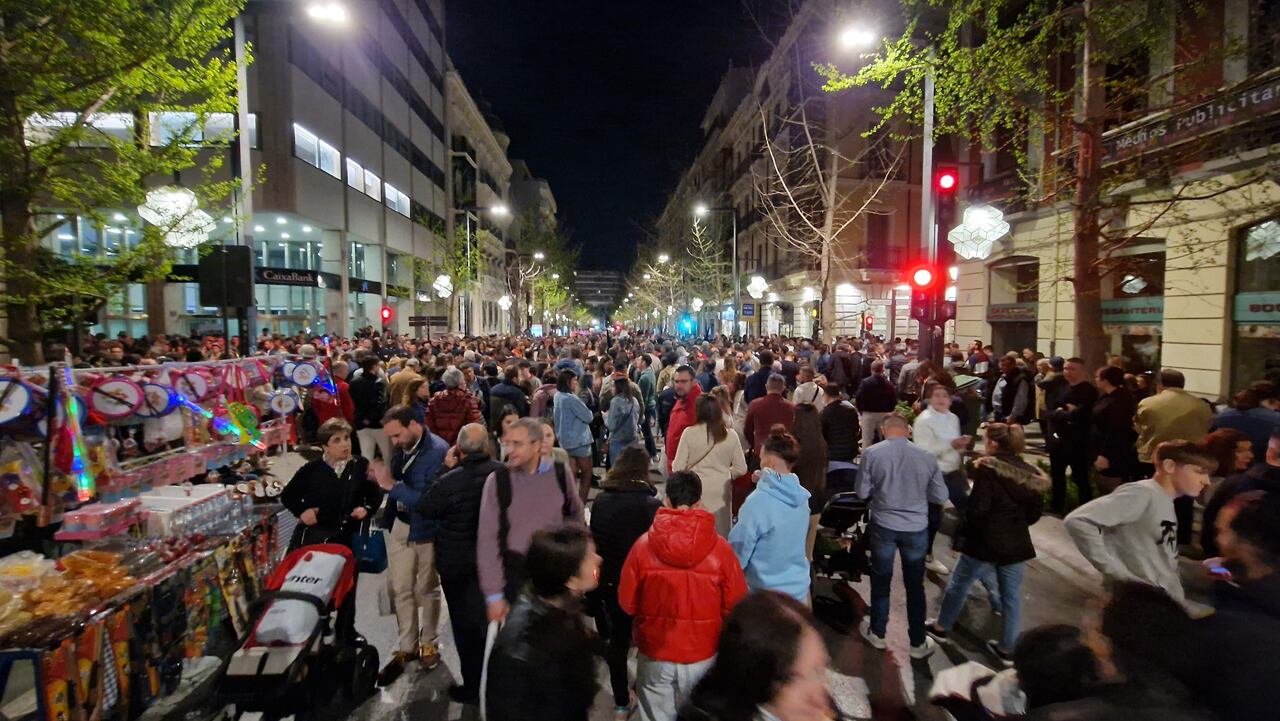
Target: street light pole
{"x":928,"y":228}
{"x":702,"y":210}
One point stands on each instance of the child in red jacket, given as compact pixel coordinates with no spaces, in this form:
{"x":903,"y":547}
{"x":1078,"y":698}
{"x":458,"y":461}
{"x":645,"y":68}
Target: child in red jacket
{"x":679,"y":583}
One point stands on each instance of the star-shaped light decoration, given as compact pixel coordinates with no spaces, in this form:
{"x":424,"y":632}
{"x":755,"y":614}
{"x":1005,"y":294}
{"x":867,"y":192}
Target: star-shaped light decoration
{"x":696,"y":304}
{"x":174,"y":209}
{"x":443,"y":286}
{"x":1132,"y":284}
{"x":757,"y":287}
{"x":505,"y":302}
{"x":976,"y":236}
{"x":1262,"y":241}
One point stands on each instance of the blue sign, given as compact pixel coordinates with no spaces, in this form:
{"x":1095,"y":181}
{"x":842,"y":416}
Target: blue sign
{"x":1261,"y":307}
{"x":748,"y":310}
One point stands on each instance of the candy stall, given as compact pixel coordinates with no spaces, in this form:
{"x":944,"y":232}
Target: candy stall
{"x":139,"y":517}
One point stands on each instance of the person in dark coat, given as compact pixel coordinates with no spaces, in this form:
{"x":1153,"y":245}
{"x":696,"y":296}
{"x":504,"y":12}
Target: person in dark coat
{"x":1112,"y":438}
{"x":622,"y":513}
{"x":841,"y":430}
{"x":754,"y":387}
{"x":332,"y":494}
{"x":1263,"y":476}
{"x":508,"y":392}
{"x":453,"y":501}
{"x":1007,"y":498}
{"x":1237,"y":644}
{"x":1068,"y":444}
{"x":542,"y":667}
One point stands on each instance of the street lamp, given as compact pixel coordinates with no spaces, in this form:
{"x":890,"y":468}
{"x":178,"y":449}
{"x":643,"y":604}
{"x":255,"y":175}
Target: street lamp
{"x":329,"y":12}
{"x":539,"y":256}
{"x":701,"y":210}
{"x":853,"y":36}
{"x":663,"y":258}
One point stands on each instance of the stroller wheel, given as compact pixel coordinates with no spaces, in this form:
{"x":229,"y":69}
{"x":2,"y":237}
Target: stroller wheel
{"x":363,"y":676}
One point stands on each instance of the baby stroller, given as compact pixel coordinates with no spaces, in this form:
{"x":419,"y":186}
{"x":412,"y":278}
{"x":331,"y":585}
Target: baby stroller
{"x":842,"y":550}
{"x":303,"y":646}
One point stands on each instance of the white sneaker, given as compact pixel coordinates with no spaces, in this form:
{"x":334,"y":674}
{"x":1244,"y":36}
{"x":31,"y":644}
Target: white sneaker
{"x":924,"y":650}
{"x":938,"y":567}
{"x":864,"y":628}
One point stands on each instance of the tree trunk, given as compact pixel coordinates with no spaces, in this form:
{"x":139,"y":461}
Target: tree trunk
{"x":827,"y":300}
{"x":20,"y":252}
{"x":1091,"y":341}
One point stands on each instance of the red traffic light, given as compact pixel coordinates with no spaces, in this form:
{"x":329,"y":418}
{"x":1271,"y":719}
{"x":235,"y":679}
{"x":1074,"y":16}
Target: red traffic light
{"x":386,"y":314}
{"x":946,"y":179}
{"x":870,"y":322}
{"x":922,"y":277}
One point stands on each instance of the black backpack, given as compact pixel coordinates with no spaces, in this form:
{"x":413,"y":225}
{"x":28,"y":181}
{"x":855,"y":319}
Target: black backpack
{"x":513,"y":563}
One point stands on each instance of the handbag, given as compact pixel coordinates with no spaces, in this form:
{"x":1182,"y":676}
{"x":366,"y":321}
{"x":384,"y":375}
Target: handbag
{"x":369,"y":546}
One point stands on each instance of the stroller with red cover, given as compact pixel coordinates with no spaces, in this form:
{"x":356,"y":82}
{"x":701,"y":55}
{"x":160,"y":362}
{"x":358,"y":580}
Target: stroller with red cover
{"x":303,"y":646}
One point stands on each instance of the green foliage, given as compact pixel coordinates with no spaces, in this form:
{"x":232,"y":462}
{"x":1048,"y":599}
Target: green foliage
{"x":82,"y":59}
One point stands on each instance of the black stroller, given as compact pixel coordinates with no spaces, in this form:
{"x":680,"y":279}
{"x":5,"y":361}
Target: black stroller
{"x":842,"y":550}
{"x":303,"y":646}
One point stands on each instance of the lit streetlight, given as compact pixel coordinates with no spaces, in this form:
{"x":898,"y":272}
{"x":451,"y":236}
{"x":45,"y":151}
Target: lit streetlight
{"x":539,"y":256}
{"x":663,"y":258}
{"x":329,"y":12}
{"x":857,"y":36}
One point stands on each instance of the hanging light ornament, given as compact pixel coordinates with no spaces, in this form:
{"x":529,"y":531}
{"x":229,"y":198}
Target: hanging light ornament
{"x":976,"y":236}
{"x":175,"y":210}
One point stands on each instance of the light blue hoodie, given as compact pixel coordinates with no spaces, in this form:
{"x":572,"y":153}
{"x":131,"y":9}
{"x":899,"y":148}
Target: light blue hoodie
{"x":769,"y":538}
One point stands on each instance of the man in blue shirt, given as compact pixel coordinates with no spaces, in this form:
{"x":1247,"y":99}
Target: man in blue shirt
{"x":899,"y":480}
{"x":411,"y":566}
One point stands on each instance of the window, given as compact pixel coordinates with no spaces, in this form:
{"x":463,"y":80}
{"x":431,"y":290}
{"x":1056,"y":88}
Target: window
{"x":221,"y":128}
{"x":355,"y":174}
{"x":372,"y":185}
{"x":316,"y":152}
{"x":305,"y":144}
{"x":396,"y":200}
{"x":330,"y":160}
{"x":168,"y":126}
{"x":118,"y":126}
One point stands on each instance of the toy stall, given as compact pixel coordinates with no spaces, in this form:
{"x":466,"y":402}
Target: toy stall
{"x":138,"y":516}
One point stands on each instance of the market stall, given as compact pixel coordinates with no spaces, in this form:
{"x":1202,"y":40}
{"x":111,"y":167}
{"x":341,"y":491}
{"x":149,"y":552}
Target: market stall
{"x":141,"y":500}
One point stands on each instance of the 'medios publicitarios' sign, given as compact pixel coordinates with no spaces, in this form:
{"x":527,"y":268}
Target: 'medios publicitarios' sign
{"x":1226,"y":110}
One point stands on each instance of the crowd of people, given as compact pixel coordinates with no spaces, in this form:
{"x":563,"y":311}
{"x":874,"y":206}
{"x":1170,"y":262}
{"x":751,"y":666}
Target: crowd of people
{"x":479,"y":458}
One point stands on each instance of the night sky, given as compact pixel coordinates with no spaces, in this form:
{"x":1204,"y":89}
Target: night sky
{"x":602,"y":99}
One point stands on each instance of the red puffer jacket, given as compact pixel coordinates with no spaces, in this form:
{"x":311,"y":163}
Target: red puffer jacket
{"x":679,"y":582}
{"x":449,"y":410}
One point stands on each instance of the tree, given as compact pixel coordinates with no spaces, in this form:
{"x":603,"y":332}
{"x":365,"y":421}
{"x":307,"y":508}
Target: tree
{"x":1013,"y":76}
{"x":815,"y":184}
{"x":709,"y":269}
{"x":64,"y":67}
{"x":456,"y":268}
{"x":529,"y":278}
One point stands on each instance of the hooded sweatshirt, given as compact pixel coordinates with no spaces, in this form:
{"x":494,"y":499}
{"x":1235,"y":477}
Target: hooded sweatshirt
{"x":769,"y":538}
{"x":1131,"y":535}
{"x":680,"y":581}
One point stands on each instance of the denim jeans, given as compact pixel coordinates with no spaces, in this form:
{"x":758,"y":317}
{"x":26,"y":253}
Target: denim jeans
{"x":969,"y":569}
{"x":912,"y":545}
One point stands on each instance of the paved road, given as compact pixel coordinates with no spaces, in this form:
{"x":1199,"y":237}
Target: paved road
{"x":870,"y":684}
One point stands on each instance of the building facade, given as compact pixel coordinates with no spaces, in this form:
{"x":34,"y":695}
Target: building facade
{"x":877,"y":198}
{"x":1196,"y":288}
{"x":367,"y":150}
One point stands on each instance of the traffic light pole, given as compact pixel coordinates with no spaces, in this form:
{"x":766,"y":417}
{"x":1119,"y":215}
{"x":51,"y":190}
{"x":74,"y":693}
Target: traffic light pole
{"x":930,"y":347}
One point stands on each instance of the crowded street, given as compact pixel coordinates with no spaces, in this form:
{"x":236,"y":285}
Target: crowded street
{"x":730,"y":360}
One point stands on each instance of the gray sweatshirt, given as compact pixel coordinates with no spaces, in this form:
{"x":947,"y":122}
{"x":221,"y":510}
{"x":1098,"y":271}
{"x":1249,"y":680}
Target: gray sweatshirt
{"x":1131,"y":535}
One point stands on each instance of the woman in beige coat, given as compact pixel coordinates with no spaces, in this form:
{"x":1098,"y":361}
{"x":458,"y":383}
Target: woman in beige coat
{"x":715,"y":454}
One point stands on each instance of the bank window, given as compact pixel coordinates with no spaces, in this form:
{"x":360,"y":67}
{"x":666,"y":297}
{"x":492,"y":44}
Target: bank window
{"x":355,"y":174}
{"x":117,"y":126}
{"x":1256,"y":345}
{"x":372,"y":186}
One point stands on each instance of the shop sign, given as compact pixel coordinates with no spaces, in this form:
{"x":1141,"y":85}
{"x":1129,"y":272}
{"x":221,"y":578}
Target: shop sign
{"x":297,"y":277}
{"x":748,"y":310}
{"x":1012,"y":312}
{"x":1133,"y":310}
{"x":1223,"y":111}
{"x":1261,"y":307}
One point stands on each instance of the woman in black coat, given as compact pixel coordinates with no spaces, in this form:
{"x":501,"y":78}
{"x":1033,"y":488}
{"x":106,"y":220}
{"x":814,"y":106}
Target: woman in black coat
{"x":1007,"y":498}
{"x":542,"y":667}
{"x":622,"y":513}
{"x":332,"y":494}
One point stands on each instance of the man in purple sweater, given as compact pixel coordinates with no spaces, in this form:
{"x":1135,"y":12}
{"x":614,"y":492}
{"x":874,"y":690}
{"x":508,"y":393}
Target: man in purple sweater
{"x":537,"y":494}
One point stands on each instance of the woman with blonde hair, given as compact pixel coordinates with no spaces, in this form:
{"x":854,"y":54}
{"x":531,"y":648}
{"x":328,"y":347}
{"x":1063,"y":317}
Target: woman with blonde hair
{"x":715,"y":454}
{"x":734,"y":383}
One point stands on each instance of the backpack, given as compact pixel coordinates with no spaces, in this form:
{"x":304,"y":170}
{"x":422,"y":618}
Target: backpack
{"x":513,"y":563}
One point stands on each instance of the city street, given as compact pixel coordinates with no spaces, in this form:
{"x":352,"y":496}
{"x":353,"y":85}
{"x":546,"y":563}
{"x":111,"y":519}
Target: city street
{"x":1057,"y":588}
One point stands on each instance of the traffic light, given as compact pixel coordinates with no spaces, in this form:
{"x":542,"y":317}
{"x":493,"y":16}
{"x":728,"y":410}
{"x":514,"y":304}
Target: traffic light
{"x":946,"y":183}
{"x":868,"y":322}
{"x":922,"y":280}
{"x":385,"y":313}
